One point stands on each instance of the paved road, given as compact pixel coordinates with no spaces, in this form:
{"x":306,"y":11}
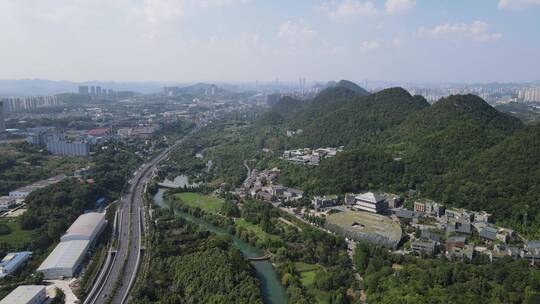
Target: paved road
{"x":122,"y":267}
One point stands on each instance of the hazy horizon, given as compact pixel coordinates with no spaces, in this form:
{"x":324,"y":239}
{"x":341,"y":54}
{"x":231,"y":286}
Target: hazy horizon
{"x":241,"y":41}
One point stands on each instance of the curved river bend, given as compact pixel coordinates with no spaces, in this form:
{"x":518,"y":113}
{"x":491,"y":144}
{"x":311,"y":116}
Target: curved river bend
{"x":271,"y":288}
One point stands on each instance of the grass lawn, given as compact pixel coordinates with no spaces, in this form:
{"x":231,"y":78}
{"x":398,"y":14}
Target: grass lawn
{"x":307,"y":278}
{"x":240,"y":222}
{"x":17,"y":237}
{"x":307,"y":273}
{"x":205,"y":202}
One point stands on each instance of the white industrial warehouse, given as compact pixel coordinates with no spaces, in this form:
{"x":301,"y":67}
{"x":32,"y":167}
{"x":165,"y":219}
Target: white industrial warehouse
{"x":26,"y":294}
{"x":65,"y":259}
{"x":86,"y":227}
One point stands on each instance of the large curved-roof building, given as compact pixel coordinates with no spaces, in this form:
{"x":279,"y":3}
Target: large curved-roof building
{"x":365,"y":226}
{"x":86,"y":227}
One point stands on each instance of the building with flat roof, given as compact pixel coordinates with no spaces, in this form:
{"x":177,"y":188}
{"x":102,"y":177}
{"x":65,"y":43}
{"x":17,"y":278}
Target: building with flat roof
{"x":12,"y":261}
{"x":6,"y":202}
{"x":68,"y":148}
{"x":24,"y":191}
{"x":26,"y":294}
{"x":86,"y":227}
{"x":427,"y":247}
{"x":64,"y":260}
{"x":319,"y":202}
{"x":370,"y":202}
{"x":365,"y":226}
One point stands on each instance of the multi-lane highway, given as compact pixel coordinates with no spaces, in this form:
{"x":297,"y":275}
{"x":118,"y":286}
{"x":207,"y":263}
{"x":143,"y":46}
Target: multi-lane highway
{"x":119,"y":270}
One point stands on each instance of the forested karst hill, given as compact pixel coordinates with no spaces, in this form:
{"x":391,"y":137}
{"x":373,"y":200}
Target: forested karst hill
{"x":360,"y":119}
{"x":460,"y":150}
{"x":351,"y":86}
{"x":504,"y":179}
{"x":451,"y":131}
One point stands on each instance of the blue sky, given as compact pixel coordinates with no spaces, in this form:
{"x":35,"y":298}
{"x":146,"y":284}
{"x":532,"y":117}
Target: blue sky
{"x":248,"y":40}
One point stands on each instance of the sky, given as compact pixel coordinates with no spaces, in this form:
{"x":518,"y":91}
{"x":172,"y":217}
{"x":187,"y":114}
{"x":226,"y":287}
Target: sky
{"x":247,"y":40}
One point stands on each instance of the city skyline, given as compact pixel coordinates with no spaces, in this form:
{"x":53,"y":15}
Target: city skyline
{"x":248,"y":40}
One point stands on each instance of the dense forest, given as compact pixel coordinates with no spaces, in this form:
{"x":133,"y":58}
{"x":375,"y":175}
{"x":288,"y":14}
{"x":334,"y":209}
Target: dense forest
{"x":192,"y":266}
{"x":392,"y":279}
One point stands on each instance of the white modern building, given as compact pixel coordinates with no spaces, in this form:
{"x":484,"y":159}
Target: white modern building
{"x":370,"y":202}
{"x":87,"y":227}
{"x":26,"y":294}
{"x":12,"y":261}
{"x":64,"y":260}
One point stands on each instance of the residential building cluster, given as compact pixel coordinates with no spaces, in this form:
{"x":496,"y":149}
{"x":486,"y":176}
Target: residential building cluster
{"x":310,"y":157}
{"x":58,"y":143}
{"x":263,"y":185}
{"x":529,"y":94}
{"x":23,"y":104}
{"x":98,"y":91}
{"x":461,"y":233}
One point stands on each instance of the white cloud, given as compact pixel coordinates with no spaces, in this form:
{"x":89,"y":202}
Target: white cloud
{"x":477,"y":31}
{"x":366,"y":46}
{"x":296,"y":32}
{"x":399,"y":6}
{"x":517,"y":4}
{"x":352,"y":9}
{"x":218,"y":3}
{"x":486,"y":37}
{"x":247,"y":38}
{"x":397,"y":43}
{"x":157,"y":11}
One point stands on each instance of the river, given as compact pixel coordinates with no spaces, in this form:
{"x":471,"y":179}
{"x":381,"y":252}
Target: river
{"x":271,"y":288}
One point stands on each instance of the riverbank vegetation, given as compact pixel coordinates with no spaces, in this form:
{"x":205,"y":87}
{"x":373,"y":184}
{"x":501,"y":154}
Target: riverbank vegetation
{"x":292,"y":246}
{"x":194,"y":266}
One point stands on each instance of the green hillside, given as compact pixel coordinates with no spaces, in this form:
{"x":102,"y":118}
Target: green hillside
{"x":352,"y":86}
{"x":460,"y":150}
{"x":361,"y":119}
{"x":451,"y":131}
{"x":504,"y":180}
